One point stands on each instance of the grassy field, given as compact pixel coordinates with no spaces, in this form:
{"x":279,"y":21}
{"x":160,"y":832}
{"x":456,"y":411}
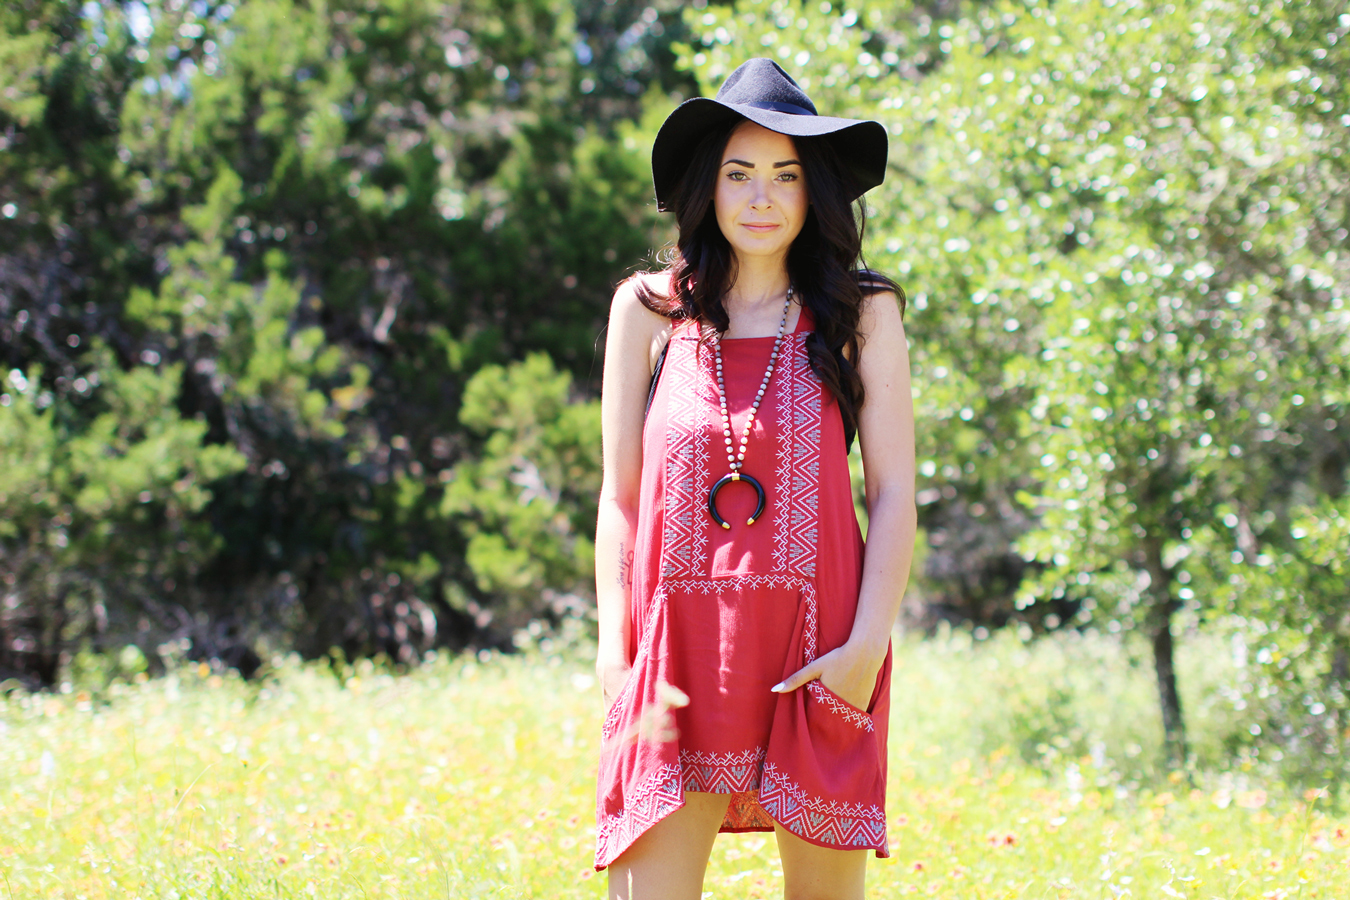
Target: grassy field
{"x":473,"y":778}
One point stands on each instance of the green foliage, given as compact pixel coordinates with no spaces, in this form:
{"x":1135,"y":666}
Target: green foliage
{"x":1296,"y":630}
{"x":99,"y":505}
{"x":528,"y":499}
{"x":1155,"y":261}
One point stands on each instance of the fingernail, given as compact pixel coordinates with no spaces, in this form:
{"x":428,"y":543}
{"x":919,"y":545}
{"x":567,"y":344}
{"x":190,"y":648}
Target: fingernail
{"x":778,"y":688}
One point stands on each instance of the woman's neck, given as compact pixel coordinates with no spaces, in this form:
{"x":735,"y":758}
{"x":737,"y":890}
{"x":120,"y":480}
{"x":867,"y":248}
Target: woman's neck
{"x":760,"y":282}
{"x":754,"y":302}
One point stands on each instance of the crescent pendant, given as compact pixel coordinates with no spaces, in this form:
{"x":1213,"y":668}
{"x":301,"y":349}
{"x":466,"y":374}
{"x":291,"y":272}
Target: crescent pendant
{"x":723,"y":482}
{"x":735,"y":459}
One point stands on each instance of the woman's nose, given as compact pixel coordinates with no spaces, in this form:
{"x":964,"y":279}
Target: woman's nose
{"x":761,"y":198}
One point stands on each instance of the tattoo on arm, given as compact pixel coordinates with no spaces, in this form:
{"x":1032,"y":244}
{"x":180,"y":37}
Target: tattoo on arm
{"x":625,"y":579}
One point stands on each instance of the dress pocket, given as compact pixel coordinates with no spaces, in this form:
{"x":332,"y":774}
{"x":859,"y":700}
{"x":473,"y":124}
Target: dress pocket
{"x":839,"y":707}
{"x":824,"y":773}
{"x":614,"y":715}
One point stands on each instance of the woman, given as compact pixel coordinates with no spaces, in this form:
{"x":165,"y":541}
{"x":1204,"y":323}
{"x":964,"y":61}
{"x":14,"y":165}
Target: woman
{"x":744,"y":635}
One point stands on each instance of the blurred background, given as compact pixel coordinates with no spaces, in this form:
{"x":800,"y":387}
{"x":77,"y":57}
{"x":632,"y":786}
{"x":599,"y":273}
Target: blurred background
{"x":302,"y":313}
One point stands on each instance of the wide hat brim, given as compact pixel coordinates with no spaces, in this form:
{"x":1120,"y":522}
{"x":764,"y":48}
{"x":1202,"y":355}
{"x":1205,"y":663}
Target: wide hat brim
{"x":859,"y":143}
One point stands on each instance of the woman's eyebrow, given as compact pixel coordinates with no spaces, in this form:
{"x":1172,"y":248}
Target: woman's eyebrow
{"x":750,"y":165}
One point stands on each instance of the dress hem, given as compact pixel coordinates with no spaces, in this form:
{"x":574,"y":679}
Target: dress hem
{"x":852,"y":824}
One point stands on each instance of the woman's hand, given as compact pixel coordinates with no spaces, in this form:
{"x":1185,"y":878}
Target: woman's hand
{"x":611,"y":673}
{"x":849,"y":671}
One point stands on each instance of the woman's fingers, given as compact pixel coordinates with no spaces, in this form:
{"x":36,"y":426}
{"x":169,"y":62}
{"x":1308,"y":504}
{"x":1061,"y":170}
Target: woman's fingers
{"x":840,"y":671}
{"x":797,"y":679}
{"x":855,"y":692}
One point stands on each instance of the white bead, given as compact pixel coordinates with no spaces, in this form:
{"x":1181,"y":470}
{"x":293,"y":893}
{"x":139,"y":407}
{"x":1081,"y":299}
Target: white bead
{"x":735,"y":460}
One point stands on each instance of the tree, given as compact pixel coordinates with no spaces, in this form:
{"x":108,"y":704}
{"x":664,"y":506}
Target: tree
{"x":527,"y":499}
{"x":101,"y":494}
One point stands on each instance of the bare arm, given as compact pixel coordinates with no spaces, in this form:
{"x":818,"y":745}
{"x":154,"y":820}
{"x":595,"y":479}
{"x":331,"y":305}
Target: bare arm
{"x":634,"y":339}
{"x":886,"y":437}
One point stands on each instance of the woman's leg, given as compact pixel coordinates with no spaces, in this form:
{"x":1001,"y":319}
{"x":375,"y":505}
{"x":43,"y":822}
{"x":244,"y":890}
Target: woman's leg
{"x":819,"y":873}
{"x":669,"y":860}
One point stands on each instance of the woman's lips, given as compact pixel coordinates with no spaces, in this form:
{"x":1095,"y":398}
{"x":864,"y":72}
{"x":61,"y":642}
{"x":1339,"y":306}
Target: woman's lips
{"x":761,"y":226}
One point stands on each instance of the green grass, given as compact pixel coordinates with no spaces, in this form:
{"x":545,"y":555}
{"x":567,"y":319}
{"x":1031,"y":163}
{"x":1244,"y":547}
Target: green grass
{"x":468,"y":779}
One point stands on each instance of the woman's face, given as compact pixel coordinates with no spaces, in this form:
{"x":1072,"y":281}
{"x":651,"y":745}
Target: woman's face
{"x":760,"y":199}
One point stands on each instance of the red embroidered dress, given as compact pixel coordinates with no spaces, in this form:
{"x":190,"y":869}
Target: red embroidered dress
{"x":723,"y":615}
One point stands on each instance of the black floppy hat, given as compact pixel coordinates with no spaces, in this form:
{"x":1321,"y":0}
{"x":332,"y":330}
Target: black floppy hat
{"x":763,"y":93}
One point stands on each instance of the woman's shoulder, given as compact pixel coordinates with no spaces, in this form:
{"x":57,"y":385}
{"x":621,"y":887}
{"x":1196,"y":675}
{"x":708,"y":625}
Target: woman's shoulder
{"x":882,"y":307}
{"x":648,"y":297}
{"x":652,"y":283}
{"x":870,"y":281}
{"x":878,"y":291}
{"x":637,"y":317}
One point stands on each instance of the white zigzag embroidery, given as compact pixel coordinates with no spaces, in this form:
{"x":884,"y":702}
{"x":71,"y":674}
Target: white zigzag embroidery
{"x":855,"y":717}
{"x":827,"y":821}
{"x":811,"y":628}
{"x":786,"y":444}
{"x":657,"y":797}
{"x":722,"y":773}
{"x":799,"y":420}
{"x":684,"y":541}
{"x":740,"y":583}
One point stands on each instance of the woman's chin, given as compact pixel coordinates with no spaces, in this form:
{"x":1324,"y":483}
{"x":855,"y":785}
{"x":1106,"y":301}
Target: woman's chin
{"x":763,"y":248}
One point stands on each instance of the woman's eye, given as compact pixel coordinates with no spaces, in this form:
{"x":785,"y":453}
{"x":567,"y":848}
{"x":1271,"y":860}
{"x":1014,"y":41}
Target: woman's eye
{"x":788,"y":176}
{"x":737,"y":176}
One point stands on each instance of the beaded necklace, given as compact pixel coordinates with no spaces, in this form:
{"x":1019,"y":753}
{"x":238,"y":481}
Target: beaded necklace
{"x":735,"y":457}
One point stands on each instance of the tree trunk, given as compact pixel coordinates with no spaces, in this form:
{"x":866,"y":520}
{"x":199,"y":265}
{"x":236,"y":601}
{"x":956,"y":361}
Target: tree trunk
{"x":1159,"y":624}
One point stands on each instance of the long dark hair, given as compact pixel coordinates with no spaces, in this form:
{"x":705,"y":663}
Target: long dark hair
{"x":824,"y":263}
